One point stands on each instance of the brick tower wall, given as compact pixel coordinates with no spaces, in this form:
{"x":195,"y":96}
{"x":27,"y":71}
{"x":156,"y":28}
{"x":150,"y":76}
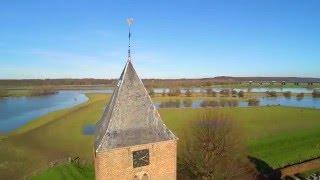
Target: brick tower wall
{"x":118,"y":164}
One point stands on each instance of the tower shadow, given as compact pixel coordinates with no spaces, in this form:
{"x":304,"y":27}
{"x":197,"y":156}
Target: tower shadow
{"x":264,"y":169}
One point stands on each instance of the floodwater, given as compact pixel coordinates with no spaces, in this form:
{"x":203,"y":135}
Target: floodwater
{"x":17,"y":111}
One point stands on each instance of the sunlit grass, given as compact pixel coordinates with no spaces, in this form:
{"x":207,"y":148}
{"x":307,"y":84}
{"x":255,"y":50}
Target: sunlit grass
{"x":277,"y":135}
{"x":66,"y":171}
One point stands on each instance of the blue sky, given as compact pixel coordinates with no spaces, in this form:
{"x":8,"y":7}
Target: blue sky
{"x":171,"y":39}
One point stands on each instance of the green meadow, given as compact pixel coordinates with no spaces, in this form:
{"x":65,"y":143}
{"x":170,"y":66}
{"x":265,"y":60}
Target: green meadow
{"x":277,"y":135}
{"x":67,"y":171}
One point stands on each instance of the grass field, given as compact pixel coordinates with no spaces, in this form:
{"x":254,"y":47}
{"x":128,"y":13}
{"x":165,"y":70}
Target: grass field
{"x":67,"y":171}
{"x":276,"y":135}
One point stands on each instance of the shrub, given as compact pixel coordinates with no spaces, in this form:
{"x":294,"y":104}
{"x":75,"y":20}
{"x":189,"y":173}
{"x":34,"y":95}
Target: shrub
{"x":214,"y":94}
{"x":316,"y":93}
{"x":223,"y":103}
{"x":163,"y":93}
{"x":177,"y":92}
{"x":188,"y":93}
{"x":233,"y":103}
{"x":42,"y":90}
{"x":253,"y":102}
{"x":271,"y":93}
{"x":209,"y":91}
{"x":204,"y":103}
{"x":171,"y":92}
{"x":300,"y":96}
{"x":234,"y":92}
{"x":187,"y":102}
{"x":207,"y":103}
{"x":3,"y":93}
{"x":225,"y":92}
{"x":174,"y":92}
{"x":151,"y":92}
{"x":241,"y":94}
{"x":287,"y":94}
{"x":170,"y":104}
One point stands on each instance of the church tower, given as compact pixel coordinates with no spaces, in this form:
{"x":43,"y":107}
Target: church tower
{"x":131,"y":140}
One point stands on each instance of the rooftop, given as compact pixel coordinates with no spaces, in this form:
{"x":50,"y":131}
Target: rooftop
{"x":130,"y":118}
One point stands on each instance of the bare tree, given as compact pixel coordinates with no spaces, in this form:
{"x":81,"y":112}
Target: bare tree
{"x":163,"y":93}
{"x":151,"y":92}
{"x":209,"y":91}
{"x":213,"y":93}
{"x":241,"y":94}
{"x":287,"y":94}
{"x":187,"y":103}
{"x":42,"y":90}
{"x":174,"y":92}
{"x":234,"y":92}
{"x":253,"y":102}
{"x":271,"y":93}
{"x":188,"y":93}
{"x":215,"y":151}
{"x":316,"y":93}
{"x":225,"y":92}
{"x":300,"y":96}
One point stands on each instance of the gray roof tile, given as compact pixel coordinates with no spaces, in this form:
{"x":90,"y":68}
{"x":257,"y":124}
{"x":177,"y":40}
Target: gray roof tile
{"x":130,"y":117}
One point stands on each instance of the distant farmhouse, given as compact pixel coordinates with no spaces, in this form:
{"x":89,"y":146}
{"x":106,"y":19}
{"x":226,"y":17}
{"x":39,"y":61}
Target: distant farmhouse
{"x":131,"y":140}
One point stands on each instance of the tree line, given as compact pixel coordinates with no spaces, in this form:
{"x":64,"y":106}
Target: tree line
{"x":203,"y":82}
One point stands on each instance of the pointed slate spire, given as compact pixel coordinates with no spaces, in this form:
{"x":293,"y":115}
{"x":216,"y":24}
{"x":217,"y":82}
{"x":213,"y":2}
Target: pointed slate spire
{"x":130,"y":118}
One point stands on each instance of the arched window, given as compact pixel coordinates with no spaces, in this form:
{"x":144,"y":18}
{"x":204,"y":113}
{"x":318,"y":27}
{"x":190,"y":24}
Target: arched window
{"x":145,"y":176}
{"x":136,"y":177}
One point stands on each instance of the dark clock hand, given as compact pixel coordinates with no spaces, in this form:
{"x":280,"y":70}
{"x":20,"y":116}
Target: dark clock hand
{"x":143,"y":157}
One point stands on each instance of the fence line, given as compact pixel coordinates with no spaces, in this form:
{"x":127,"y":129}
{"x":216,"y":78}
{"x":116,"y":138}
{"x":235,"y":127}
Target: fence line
{"x":300,"y":167}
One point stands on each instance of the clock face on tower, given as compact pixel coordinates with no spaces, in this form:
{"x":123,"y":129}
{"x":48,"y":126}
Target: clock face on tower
{"x":140,"y":158}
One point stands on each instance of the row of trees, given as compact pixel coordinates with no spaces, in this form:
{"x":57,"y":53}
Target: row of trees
{"x":36,"y":91}
{"x":207,"y":103}
{"x":221,"y":103}
{"x":207,"y":92}
{"x":42,"y":90}
{"x":288,"y":94}
{"x":316,"y":93}
{"x":228,"y":92}
{"x":4,"y":93}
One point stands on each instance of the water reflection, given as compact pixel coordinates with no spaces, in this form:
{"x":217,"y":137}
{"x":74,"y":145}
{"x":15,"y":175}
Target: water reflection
{"x":199,"y":103}
{"x":255,"y":89}
{"x":89,"y":129}
{"x":253,"y":102}
{"x":187,"y":103}
{"x":214,"y":89}
{"x":299,"y":101}
{"x":170,"y":104}
{"x":17,"y":111}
